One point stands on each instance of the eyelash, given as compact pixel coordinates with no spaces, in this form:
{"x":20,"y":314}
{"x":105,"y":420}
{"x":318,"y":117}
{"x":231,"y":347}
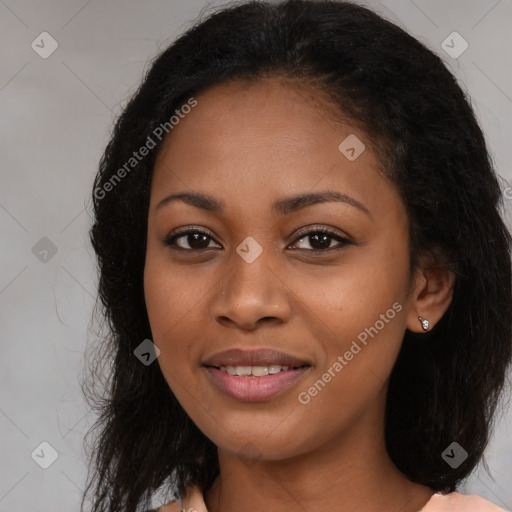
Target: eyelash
{"x":170,"y":240}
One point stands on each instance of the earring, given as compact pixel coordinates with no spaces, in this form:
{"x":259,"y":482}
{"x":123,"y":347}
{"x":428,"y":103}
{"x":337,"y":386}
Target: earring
{"x":424,"y":323}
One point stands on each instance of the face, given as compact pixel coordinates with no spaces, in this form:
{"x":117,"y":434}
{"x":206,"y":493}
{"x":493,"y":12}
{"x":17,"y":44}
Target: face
{"x":323,"y":280}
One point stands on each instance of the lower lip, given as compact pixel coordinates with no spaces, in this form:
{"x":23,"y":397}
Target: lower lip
{"x":254,"y":389}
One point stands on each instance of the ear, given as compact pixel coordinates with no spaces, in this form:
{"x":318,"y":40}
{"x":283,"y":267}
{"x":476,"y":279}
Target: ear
{"x":432,"y":294}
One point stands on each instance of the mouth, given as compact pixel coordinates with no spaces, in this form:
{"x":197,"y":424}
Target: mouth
{"x":254,"y":375}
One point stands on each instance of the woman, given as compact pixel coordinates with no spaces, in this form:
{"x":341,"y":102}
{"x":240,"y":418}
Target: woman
{"x":304,"y":270}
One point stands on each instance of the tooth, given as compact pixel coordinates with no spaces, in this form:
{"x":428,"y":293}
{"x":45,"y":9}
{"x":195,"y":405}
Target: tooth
{"x":260,"y":371}
{"x":257,"y":371}
{"x":243,"y":370}
{"x":230,"y":369}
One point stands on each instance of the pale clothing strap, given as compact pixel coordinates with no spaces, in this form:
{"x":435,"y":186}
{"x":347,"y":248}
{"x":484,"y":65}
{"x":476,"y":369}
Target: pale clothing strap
{"x":457,"y":502}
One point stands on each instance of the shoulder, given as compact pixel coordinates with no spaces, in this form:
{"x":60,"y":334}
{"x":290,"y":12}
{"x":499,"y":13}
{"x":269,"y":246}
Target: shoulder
{"x":457,"y":502}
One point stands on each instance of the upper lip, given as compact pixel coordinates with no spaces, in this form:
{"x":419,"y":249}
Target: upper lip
{"x":254,"y":357}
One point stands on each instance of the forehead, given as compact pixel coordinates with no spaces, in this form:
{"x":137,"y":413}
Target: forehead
{"x":258,"y":118}
{"x":261,"y":140}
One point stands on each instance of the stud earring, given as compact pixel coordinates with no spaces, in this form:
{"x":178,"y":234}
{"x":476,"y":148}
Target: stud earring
{"x":424,"y":323}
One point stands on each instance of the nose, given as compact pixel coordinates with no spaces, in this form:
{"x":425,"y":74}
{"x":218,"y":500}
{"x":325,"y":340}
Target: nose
{"x":251,"y":294}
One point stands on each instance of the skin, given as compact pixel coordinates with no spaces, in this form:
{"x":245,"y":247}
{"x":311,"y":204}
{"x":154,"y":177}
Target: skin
{"x":248,"y":146}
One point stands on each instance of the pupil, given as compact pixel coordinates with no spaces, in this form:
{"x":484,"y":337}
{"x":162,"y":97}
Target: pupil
{"x":194,"y":240}
{"x":324,"y":243}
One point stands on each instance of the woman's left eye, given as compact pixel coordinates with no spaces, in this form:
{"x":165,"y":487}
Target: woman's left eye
{"x":320,"y":240}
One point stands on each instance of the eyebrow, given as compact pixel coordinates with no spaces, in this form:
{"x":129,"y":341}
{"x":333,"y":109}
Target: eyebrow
{"x":282,"y":206}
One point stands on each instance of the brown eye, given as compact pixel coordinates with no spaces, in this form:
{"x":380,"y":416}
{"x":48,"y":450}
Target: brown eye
{"x":192,"y":240}
{"x":320,"y":240}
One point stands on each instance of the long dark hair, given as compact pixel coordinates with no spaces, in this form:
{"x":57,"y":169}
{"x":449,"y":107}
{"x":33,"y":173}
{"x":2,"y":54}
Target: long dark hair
{"x":445,"y":385}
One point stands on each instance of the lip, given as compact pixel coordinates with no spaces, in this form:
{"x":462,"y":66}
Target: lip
{"x":254,"y":357}
{"x":251,"y":388}
{"x":254,"y":389}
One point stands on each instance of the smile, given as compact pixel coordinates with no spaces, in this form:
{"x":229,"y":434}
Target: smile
{"x":254,"y":383}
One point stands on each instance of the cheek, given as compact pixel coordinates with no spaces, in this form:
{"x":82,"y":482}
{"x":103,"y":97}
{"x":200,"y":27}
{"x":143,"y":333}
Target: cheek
{"x":170,"y":294}
{"x":168,"y":303}
{"x":174,"y":302}
{"x":167,"y":313}
{"x":359,"y":315}
{"x":347,"y":299}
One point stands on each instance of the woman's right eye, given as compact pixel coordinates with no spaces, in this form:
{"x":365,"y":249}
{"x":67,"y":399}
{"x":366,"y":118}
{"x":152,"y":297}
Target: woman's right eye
{"x":195,"y":239}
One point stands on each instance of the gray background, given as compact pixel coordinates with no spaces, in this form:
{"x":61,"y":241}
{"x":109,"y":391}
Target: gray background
{"x":55,"y":115}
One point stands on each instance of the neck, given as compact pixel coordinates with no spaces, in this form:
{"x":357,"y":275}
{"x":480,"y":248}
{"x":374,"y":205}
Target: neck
{"x":352,"y":472}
